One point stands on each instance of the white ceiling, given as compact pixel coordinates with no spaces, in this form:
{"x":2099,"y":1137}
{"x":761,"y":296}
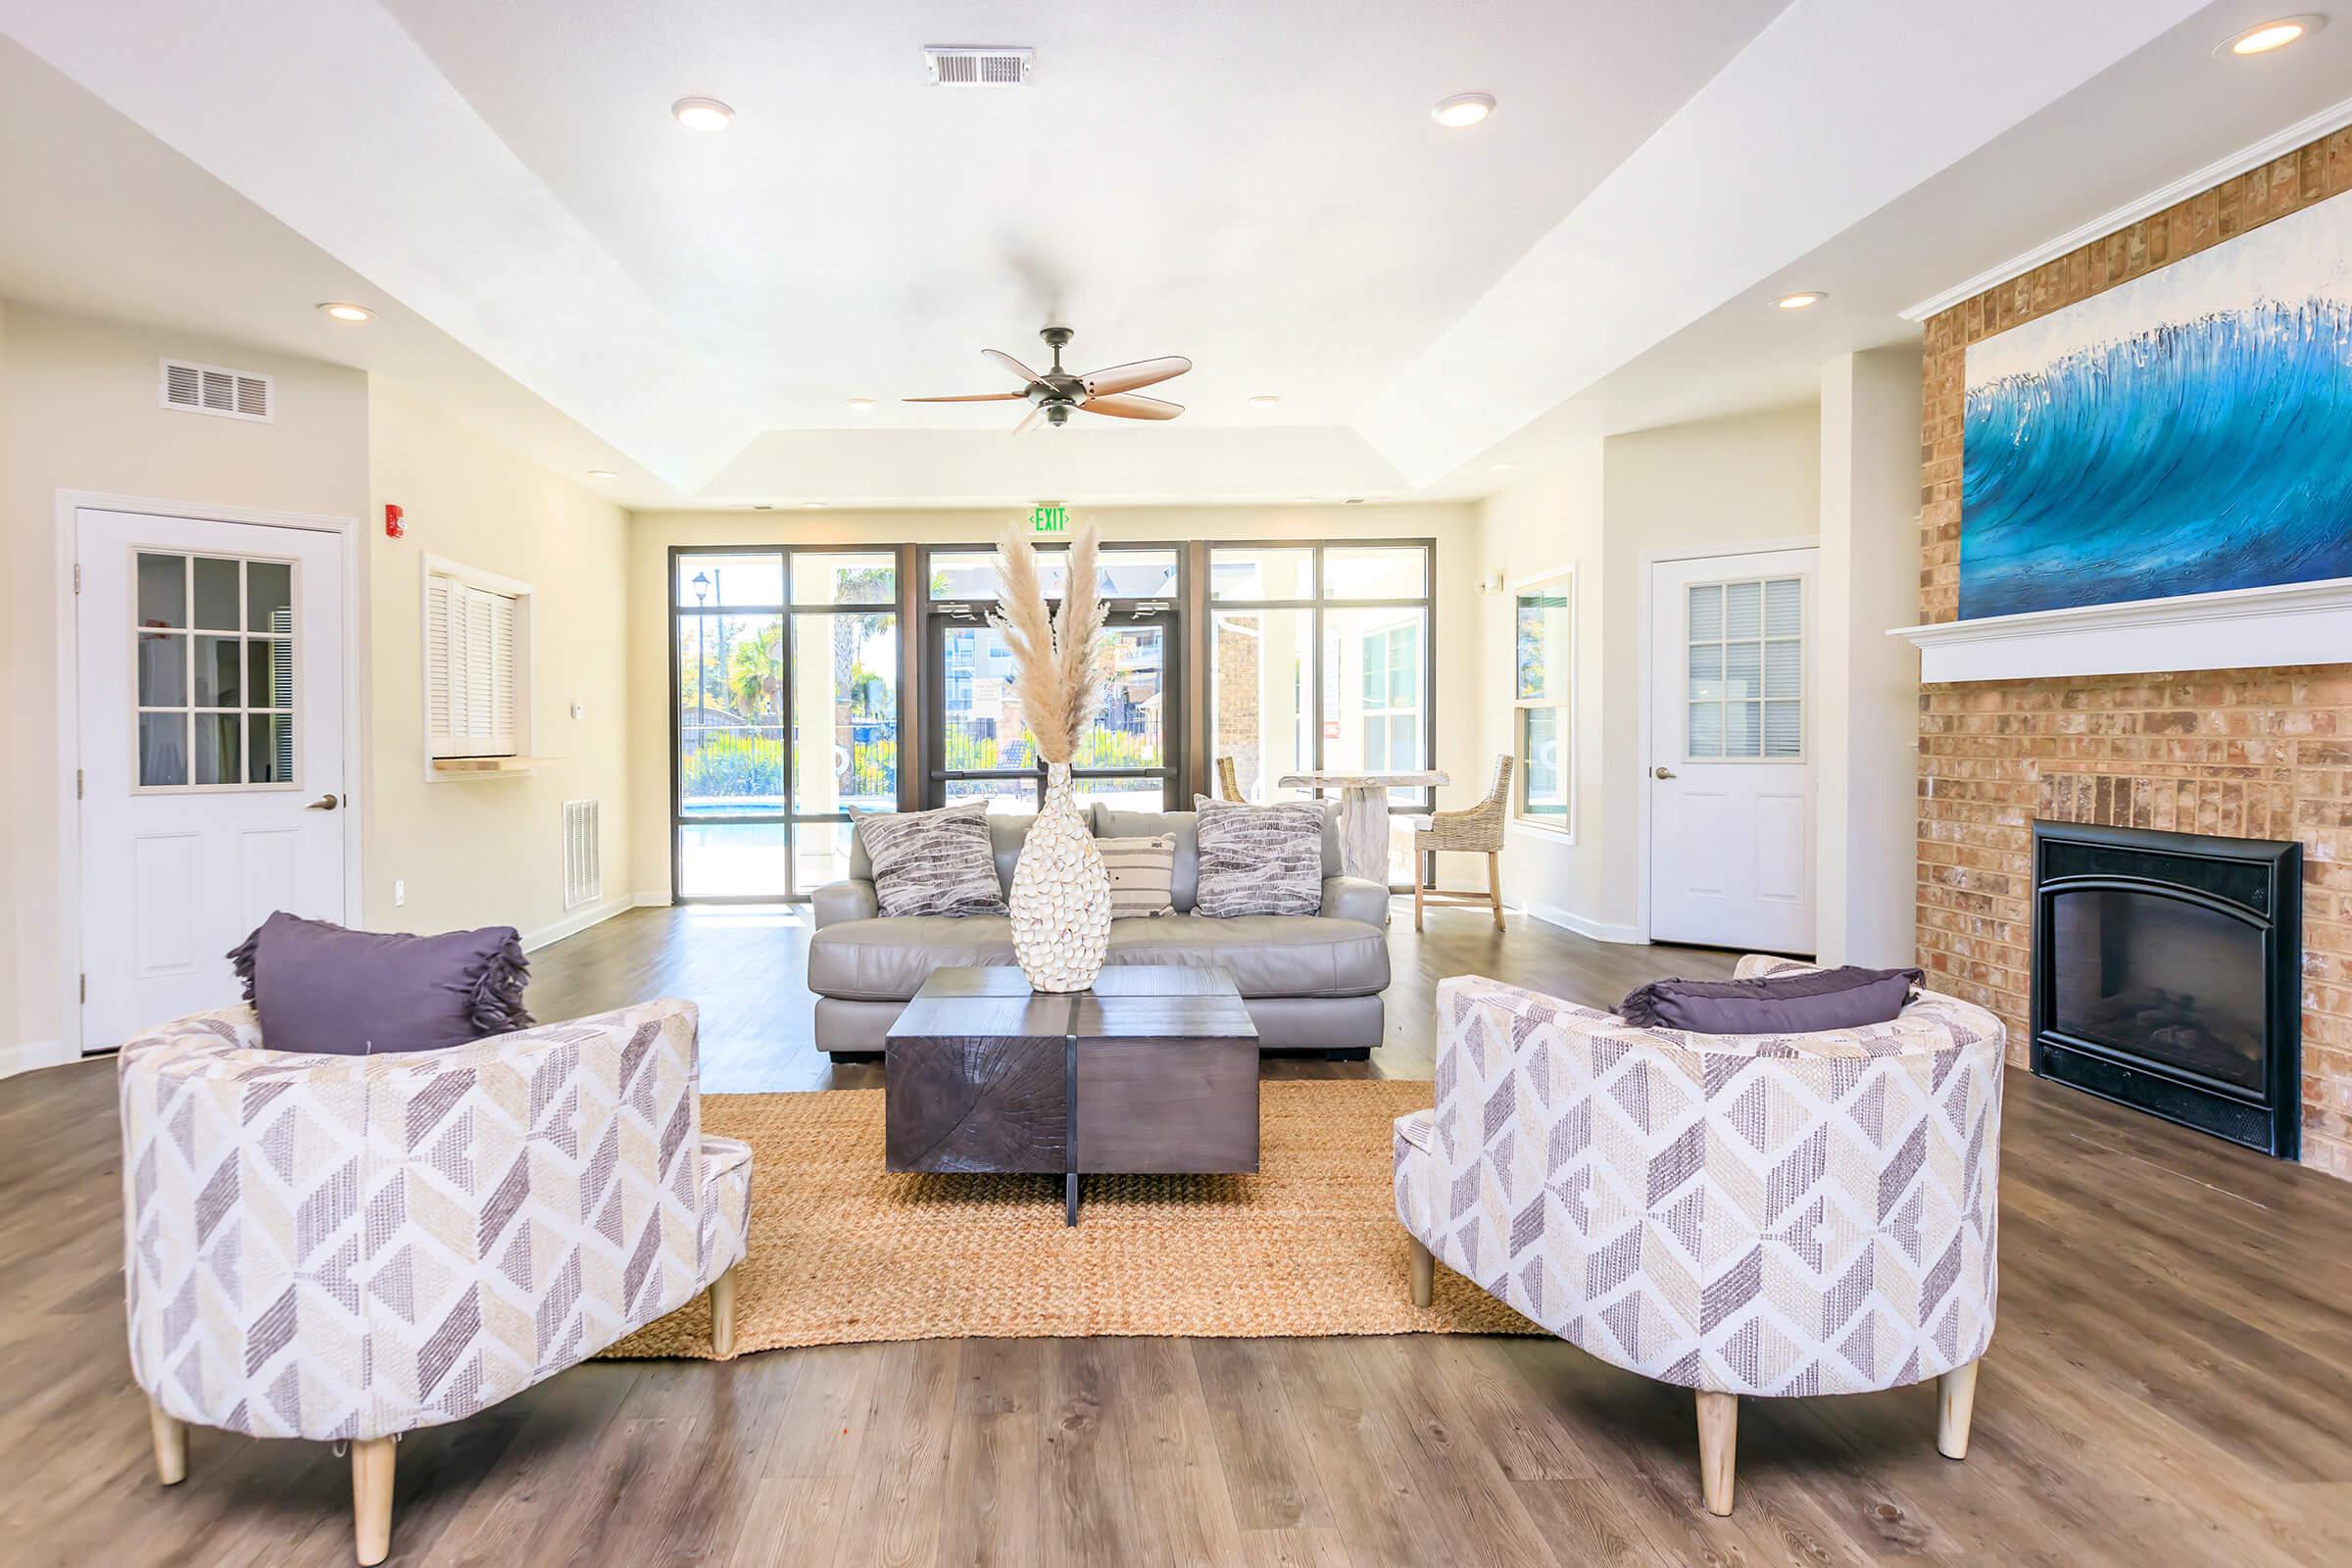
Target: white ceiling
{"x":1256,"y":186}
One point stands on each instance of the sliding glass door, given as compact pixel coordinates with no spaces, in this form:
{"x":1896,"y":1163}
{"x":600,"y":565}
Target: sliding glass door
{"x":788,"y":714}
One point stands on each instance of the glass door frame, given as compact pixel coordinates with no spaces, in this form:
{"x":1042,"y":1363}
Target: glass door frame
{"x":1167,"y":613}
{"x":785,"y":816}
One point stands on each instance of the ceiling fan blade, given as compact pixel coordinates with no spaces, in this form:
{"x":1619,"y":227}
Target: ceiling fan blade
{"x":1010,"y":364}
{"x":1126,"y":406}
{"x":1036,"y":416}
{"x":1143,"y":372}
{"x":973,"y":397}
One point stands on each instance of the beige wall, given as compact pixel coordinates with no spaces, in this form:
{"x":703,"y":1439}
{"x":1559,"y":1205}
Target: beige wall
{"x":1454,"y":526}
{"x":1738,"y":480}
{"x":78,"y":411}
{"x":489,"y":850}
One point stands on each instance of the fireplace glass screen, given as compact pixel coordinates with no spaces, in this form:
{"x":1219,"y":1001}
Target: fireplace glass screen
{"x":2160,"y":978}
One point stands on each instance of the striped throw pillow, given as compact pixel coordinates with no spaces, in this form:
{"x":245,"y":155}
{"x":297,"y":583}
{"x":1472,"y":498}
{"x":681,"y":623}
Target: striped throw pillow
{"x":1260,"y":860}
{"x":933,"y":862}
{"x":1142,"y":875}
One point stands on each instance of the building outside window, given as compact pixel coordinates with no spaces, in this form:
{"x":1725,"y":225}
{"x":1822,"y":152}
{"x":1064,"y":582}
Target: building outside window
{"x":1543,"y":658}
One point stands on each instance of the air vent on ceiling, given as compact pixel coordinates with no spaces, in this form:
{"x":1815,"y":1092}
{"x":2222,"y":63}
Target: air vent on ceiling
{"x":965,"y":67}
{"x":211,"y":389}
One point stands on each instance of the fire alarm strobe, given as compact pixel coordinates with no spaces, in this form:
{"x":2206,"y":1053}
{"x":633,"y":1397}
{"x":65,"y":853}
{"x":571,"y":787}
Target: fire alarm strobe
{"x":392,"y":524}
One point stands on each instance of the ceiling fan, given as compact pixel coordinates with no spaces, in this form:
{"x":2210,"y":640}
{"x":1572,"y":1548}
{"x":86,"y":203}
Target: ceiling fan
{"x":1053,"y":395}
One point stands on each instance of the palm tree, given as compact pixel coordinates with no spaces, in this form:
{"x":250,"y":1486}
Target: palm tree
{"x":756,"y":673}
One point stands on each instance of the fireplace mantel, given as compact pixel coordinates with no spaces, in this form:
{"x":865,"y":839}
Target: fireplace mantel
{"x":2241,"y":628}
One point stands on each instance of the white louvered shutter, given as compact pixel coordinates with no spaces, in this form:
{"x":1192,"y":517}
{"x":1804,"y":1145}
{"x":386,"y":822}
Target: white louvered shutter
{"x":470,"y":669}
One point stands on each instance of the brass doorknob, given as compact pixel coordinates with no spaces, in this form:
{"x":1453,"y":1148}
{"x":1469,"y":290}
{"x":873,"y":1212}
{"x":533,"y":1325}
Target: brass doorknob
{"x":325,"y":803}
{"x":1661,"y":772}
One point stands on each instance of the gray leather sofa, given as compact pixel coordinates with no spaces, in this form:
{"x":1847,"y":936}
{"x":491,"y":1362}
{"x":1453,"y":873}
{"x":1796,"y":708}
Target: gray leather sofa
{"x":1310,"y":982}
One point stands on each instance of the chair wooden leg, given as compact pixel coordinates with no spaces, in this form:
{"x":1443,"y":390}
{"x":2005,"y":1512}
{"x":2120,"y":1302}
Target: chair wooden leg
{"x":1494,"y":886}
{"x":171,"y":1444}
{"x":1718,"y":1443}
{"x":372,"y":1499}
{"x":722,"y":1312}
{"x":1955,"y":1403}
{"x":1425,"y":1272}
{"x":1418,"y":889}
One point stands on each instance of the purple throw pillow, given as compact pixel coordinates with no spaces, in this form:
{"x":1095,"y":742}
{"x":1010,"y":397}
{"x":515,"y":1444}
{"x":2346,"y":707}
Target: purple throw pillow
{"x":1772,"y":1005}
{"x":323,"y":988}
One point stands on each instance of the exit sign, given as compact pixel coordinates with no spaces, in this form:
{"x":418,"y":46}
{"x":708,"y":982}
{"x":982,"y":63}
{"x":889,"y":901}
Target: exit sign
{"x":1050,"y":519}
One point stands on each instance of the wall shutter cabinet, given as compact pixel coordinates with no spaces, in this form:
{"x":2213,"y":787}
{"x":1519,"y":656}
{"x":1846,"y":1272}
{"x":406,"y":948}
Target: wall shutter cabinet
{"x":470,"y":656}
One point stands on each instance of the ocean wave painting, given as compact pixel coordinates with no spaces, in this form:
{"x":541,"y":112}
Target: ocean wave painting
{"x":2185,"y":432}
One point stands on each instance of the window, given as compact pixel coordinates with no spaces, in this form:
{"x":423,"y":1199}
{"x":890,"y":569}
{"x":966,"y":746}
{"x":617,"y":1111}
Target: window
{"x":1543,"y":658}
{"x":980,"y":750}
{"x":787,"y":717}
{"x":1745,"y":669}
{"x":477,"y":664}
{"x":1319,"y":658}
{"x":215,"y":667}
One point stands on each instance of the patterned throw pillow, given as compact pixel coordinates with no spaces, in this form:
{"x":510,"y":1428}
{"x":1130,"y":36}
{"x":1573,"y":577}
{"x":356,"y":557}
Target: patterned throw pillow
{"x":933,"y":862}
{"x":1142,"y":875}
{"x":1260,"y":860}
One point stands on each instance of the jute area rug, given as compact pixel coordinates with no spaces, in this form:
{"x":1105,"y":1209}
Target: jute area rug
{"x":844,"y":1252}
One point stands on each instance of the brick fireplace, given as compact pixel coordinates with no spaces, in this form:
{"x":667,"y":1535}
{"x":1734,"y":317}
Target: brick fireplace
{"x":2242,"y":754}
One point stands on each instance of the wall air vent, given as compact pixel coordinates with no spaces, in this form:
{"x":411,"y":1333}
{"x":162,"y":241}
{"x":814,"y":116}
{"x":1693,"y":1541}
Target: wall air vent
{"x":956,"y":66}
{"x":212,"y":389}
{"x":583,"y":853}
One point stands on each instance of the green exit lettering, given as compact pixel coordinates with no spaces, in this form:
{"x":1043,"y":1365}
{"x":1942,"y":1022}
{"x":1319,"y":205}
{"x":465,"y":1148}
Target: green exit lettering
{"x":1043,"y":519}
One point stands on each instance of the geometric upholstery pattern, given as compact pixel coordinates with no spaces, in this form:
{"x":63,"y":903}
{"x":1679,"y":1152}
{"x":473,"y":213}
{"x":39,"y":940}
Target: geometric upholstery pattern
{"x":1747,"y":1214}
{"x":332,"y":1246}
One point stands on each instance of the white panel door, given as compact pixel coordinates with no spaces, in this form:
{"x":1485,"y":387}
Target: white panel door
{"x":1730,"y":764}
{"x":210,"y":713}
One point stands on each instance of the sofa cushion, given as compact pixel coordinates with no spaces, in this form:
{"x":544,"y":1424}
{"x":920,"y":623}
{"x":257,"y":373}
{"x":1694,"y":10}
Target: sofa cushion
{"x":1184,"y":872}
{"x":1005,"y":834}
{"x":888,"y":961}
{"x":1268,"y":956}
{"x":933,"y":862}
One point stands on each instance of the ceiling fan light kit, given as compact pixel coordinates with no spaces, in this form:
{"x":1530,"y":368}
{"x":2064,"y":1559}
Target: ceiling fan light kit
{"x":1055,"y":394}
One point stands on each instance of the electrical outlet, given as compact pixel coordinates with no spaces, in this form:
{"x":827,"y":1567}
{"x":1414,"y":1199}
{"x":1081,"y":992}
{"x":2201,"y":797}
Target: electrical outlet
{"x":400,"y":892}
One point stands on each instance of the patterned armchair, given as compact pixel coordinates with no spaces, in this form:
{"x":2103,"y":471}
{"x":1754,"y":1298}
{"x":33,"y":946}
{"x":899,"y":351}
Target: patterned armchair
{"x":1739,"y":1214}
{"x":346,"y":1247}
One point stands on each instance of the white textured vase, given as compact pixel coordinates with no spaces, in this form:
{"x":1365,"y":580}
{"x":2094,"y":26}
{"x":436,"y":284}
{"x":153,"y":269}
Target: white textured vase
{"x":1061,"y":895}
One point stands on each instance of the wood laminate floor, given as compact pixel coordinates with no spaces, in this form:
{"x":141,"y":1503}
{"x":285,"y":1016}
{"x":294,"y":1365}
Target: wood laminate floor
{"x":2171,"y":1382}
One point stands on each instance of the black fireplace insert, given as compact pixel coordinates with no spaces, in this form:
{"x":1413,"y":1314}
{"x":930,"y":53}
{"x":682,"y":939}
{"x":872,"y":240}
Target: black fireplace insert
{"x":2167,"y":975}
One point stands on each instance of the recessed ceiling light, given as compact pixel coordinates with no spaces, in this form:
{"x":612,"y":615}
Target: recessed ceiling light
{"x":1803,"y":299}
{"x":2271,"y":36}
{"x":1502,"y":468}
{"x":1303,"y":500}
{"x":1265,"y":400}
{"x":862,"y":405}
{"x":344,"y":312}
{"x":601,"y":473}
{"x":702,"y":113}
{"x":812,"y":506}
{"x":1463,"y":108}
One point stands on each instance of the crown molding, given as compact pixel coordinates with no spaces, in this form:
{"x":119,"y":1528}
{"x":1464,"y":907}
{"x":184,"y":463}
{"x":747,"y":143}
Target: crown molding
{"x":2311,"y":128}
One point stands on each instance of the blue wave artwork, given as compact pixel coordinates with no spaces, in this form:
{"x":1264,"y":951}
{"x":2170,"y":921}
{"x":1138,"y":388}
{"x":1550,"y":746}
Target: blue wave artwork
{"x":2174,"y":435}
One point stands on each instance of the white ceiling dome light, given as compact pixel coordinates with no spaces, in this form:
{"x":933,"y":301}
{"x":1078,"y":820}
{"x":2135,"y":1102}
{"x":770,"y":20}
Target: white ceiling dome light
{"x":702,"y":113}
{"x":1804,"y":299}
{"x":1265,"y":400}
{"x":2268,"y":37}
{"x":862,"y":405}
{"x":1463,"y":108}
{"x":345,"y":311}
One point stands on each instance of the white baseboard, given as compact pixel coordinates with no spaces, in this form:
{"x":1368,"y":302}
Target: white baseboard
{"x":651,"y":898}
{"x":27,"y":1055}
{"x":1597,"y":930}
{"x":575,"y":923}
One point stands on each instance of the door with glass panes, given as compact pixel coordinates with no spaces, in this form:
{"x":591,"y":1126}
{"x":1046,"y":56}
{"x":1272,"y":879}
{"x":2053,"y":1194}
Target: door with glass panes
{"x":1731,"y":752}
{"x":210,"y":704}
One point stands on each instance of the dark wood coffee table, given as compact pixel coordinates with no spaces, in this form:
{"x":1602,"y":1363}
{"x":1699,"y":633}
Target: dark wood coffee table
{"x":1152,"y":1070}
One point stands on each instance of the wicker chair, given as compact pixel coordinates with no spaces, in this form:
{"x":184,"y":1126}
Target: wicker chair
{"x":1229,"y":782}
{"x":1476,"y":831}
